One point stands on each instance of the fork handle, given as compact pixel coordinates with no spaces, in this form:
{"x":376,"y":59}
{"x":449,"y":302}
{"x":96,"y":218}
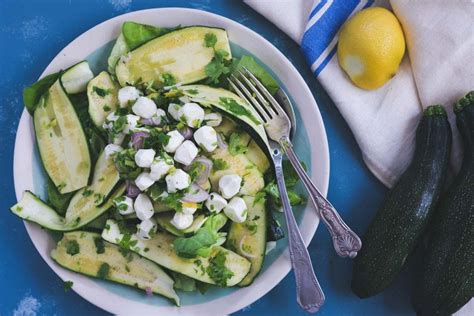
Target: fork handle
{"x":345,"y":241}
{"x":309,"y":294}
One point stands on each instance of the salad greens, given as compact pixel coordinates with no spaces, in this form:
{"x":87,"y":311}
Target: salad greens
{"x":136,"y":34}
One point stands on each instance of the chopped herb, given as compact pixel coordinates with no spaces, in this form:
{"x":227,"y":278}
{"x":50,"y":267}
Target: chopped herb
{"x":235,"y":145}
{"x":232,"y":106}
{"x":103,"y":271}
{"x":87,"y":192}
{"x":217,"y":270}
{"x":127,"y":242}
{"x":99,"y":245}
{"x":195,"y":170}
{"x":192,"y":91}
{"x":173,"y":201}
{"x":101,"y":179}
{"x":125,"y":164}
{"x":68,"y":285}
{"x":210,"y":40}
{"x":127,"y":268}
{"x":99,"y":198}
{"x":146,"y":249}
{"x":18,"y":208}
{"x":72,"y":247}
{"x":100,"y":91}
{"x":168,"y":79}
{"x":61,"y":186}
{"x":220,"y":164}
{"x":259,"y":197}
{"x":106,"y":108}
{"x":156,"y":139}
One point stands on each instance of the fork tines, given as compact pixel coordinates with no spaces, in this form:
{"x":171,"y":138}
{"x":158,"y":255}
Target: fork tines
{"x":249,"y":88}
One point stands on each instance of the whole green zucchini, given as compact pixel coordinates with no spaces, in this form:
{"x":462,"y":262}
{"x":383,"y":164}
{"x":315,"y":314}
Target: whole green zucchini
{"x":403,"y":216}
{"x":446,"y":280}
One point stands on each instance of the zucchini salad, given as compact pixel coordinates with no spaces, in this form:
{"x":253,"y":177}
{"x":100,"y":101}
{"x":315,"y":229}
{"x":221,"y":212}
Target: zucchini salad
{"x":157,"y":174}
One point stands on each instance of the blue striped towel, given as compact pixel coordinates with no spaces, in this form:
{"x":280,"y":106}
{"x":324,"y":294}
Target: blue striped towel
{"x":384,"y":121}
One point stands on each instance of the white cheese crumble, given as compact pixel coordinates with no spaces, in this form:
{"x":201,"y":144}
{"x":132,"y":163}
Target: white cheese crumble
{"x":206,"y":137}
{"x":174,"y":141}
{"x":192,"y":114}
{"x":143,"y":207}
{"x":186,"y":153}
{"x":229,"y":185}
{"x":177,"y":180}
{"x":144,"y":107}
{"x":215,"y":203}
{"x":126,"y":95}
{"x":236,"y":210}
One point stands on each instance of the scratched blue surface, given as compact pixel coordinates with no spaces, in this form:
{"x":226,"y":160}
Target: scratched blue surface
{"x":31,"y":34}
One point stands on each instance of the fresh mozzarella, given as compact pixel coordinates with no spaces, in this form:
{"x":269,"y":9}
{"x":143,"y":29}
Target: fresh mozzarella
{"x":144,"y":157}
{"x":206,"y":137}
{"x":213,"y":119}
{"x":186,"y":153}
{"x":181,"y":220}
{"x":112,"y":149}
{"x":132,"y":122}
{"x":143,"y":207}
{"x":159,"y":117}
{"x":173,"y":110}
{"x":160,"y":167}
{"x":174,"y":141}
{"x":144,"y":107}
{"x":236,"y":210}
{"x":124,"y":205}
{"x":215,"y":203}
{"x":144,"y":181}
{"x":126,"y":95}
{"x":192,"y":114}
{"x":189,"y":207}
{"x":229,"y":185}
{"x":146,"y":228}
{"x":177,"y":180}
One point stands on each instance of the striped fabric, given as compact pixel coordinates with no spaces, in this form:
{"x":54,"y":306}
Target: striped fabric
{"x":320,"y":37}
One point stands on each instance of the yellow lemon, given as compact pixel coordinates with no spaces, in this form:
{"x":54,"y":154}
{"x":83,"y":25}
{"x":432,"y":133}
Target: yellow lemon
{"x":371,"y":47}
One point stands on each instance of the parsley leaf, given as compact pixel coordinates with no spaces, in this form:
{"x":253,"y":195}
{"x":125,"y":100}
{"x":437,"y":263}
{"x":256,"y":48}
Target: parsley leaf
{"x":68,"y":285}
{"x":220,"y":164}
{"x":217,"y":270}
{"x":232,"y":106}
{"x":210,"y":40}
{"x":168,"y":79}
{"x":100,"y":91}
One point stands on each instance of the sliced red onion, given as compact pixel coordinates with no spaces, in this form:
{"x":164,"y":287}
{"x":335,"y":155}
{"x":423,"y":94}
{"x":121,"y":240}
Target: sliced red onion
{"x":220,"y":142}
{"x":148,"y":121}
{"x":148,"y":291}
{"x":138,"y":138}
{"x":187,"y":132}
{"x":195,"y":195}
{"x":132,"y":190}
{"x":206,"y":171}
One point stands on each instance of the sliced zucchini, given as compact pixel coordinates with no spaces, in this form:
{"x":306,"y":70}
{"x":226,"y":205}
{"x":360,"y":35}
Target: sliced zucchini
{"x":120,"y":48}
{"x":32,"y":208}
{"x":249,"y":239}
{"x":169,"y":54}
{"x":226,"y":127}
{"x":159,"y":249}
{"x":256,"y":155}
{"x":102,"y":95}
{"x":61,"y":141}
{"x":104,"y":180}
{"x":75,"y":79}
{"x":229,"y":103}
{"x":252,"y":178}
{"x":87,"y":253}
{"x":164,"y":220}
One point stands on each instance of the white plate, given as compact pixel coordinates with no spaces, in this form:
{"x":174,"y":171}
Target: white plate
{"x":119,"y":299}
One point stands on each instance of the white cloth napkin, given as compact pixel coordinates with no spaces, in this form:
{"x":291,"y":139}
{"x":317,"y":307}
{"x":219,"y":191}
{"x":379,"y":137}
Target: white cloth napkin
{"x":438,"y":69}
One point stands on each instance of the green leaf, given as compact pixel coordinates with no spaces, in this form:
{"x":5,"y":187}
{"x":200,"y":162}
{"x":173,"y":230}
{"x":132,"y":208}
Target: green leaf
{"x":235,"y":108}
{"x":217,"y":270}
{"x":68,"y":285}
{"x":210,"y":40}
{"x":33,"y":93}
{"x":136,"y":34}
{"x":291,"y":177}
{"x":57,"y":200}
{"x":258,"y":71}
{"x":183,"y":282}
{"x":235,"y":145}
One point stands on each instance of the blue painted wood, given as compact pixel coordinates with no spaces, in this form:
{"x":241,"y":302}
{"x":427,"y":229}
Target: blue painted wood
{"x":31,"y":34}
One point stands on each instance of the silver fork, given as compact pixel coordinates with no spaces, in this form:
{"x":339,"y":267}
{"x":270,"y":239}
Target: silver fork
{"x":278,"y":126}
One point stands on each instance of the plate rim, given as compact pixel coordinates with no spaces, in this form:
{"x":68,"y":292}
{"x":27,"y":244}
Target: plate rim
{"x":90,"y":290}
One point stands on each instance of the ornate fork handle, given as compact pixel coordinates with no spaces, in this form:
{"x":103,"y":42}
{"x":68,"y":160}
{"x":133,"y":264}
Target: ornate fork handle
{"x":346,"y":242}
{"x":308,"y":291}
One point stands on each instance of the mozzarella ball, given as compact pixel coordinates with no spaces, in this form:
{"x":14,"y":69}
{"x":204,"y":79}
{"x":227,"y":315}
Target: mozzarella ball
{"x":143,"y":207}
{"x":189,"y":207}
{"x":177,"y":180}
{"x":213,"y":119}
{"x":160,"y":167}
{"x":173,"y":110}
{"x":192,"y":114}
{"x":229,"y":185}
{"x":112,"y":149}
{"x":146,"y":228}
{"x":144,"y":181}
{"x":124,"y":205}
{"x":159,"y":117}
{"x":206,"y":137}
{"x":175,"y":140}
{"x":144,"y":107}
{"x":236,"y":210}
{"x":186,"y":153}
{"x":181,"y":221}
{"x":131,"y":125}
{"x":126,"y":95}
{"x":144,"y":157}
{"x":215,"y":203}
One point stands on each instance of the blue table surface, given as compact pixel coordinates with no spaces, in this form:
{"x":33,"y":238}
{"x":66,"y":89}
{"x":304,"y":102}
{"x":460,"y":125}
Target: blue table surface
{"x":33,"y":32}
